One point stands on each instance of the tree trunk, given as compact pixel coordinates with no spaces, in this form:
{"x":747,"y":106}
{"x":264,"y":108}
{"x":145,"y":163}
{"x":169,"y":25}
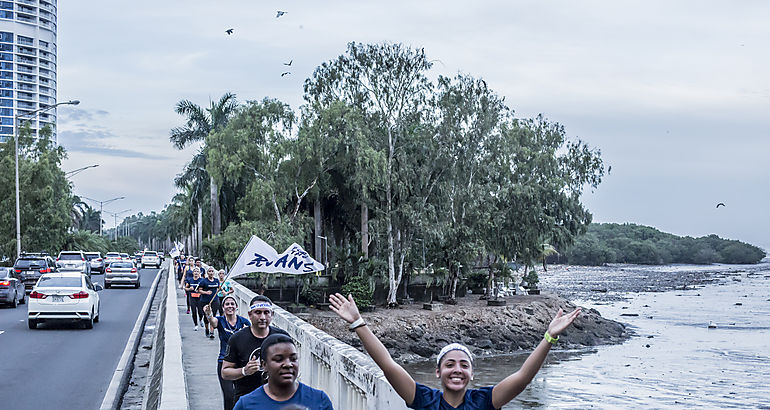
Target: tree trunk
{"x":392,"y":283}
{"x":365,"y":229}
{"x":200,"y":230}
{"x":216,"y":213}
{"x":318,"y":232}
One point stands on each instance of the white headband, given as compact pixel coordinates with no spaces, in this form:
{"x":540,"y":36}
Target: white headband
{"x":453,"y":346}
{"x":261,"y":305}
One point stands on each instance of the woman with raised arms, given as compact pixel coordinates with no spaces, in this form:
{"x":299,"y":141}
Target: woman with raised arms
{"x":454,"y":366}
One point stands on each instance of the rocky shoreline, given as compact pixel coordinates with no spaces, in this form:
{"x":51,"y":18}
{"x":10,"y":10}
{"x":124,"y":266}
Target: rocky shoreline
{"x":413,"y":334}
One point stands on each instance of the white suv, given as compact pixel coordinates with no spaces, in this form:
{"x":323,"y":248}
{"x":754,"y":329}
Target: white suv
{"x":73,"y":261}
{"x":150,"y":258}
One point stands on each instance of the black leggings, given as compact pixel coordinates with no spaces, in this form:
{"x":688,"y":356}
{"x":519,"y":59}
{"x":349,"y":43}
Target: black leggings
{"x":228,"y":389}
{"x":197,"y":309}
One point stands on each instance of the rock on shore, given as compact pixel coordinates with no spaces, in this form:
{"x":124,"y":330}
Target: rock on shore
{"x":411,"y":333}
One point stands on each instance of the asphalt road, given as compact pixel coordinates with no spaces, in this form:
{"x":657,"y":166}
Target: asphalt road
{"x":64,"y":365}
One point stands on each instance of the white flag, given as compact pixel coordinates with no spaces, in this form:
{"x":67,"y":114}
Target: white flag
{"x":175,"y":250}
{"x":258,"y":256}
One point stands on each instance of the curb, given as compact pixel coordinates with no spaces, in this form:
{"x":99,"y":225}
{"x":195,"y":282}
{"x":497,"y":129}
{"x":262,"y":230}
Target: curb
{"x":123,"y":372}
{"x":173,"y":386}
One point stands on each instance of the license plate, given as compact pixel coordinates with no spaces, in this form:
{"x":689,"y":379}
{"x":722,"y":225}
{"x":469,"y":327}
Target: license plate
{"x":57,"y":299}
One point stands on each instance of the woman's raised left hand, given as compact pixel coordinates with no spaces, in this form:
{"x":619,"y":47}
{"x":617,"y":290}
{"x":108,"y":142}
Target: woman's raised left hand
{"x":562,"y":321}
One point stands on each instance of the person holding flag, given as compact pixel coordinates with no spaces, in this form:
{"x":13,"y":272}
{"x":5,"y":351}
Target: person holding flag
{"x":241,"y":362}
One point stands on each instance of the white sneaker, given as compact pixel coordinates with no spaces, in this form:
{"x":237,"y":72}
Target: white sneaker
{"x":195,"y":328}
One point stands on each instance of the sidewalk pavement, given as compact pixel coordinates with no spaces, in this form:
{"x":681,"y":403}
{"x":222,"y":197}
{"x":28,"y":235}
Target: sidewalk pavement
{"x":199,"y":360}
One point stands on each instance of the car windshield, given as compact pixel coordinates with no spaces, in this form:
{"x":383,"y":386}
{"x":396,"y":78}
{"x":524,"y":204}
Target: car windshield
{"x":29,"y":263}
{"x":121,"y":265}
{"x":125,"y":255}
{"x":59,"y":282}
{"x":4,"y":273}
{"x":70,"y":257}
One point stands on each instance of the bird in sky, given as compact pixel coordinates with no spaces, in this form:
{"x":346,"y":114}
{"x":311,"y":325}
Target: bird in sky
{"x":280,"y":13}
{"x":229,"y":31}
{"x":720,"y":204}
{"x":289,"y":63}
{"x":285,"y":73}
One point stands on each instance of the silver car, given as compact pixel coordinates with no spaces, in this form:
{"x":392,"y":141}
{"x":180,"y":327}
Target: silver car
{"x":73,"y":261}
{"x":121,"y":273}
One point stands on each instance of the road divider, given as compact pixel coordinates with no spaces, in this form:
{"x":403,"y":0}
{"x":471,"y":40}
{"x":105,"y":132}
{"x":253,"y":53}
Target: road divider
{"x":123,"y":371}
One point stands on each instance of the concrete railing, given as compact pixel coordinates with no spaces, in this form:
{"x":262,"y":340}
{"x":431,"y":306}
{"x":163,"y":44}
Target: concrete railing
{"x":350,"y":378}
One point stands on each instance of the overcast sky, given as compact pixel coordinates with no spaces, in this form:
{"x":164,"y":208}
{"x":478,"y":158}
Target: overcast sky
{"x":676,"y":95}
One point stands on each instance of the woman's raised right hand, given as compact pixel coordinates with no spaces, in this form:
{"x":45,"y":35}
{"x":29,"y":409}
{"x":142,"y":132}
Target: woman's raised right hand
{"x":344,"y":308}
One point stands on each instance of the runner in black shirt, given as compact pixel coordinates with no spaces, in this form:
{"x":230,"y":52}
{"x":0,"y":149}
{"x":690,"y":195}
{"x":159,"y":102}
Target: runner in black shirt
{"x":208,"y":288}
{"x":241,"y":362}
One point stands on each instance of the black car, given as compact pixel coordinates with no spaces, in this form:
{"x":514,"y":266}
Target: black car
{"x":11,"y":288}
{"x":31,"y":267}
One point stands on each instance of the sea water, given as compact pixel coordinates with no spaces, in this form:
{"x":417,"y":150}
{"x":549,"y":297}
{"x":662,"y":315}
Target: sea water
{"x":674,"y":360}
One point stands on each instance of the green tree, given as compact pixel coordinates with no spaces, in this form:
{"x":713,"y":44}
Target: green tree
{"x":198,"y":125}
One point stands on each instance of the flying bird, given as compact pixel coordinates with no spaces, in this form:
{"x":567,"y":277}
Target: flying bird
{"x":229,"y":31}
{"x":280,"y":13}
{"x":289,"y":63}
{"x":720,"y":204}
{"x":285,"y":73}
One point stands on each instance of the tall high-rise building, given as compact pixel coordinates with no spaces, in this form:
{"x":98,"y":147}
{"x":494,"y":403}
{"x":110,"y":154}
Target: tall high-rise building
{"x":27,"y":63}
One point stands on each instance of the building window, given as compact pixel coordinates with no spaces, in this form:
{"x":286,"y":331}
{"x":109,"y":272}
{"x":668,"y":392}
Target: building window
{"x":6,"y":75}
{"x":6,"y":93}
{"x":6,"y":47}
{"x":6,"y":121}
{"x":6,"y":66}
{"x":6,"y":5}
{"x":6,"y":14}
{"x":6,"y":56}
{"x":6,"y":111}
{"x":26,"y":40}
{"x":6,"y":130}
{"x":6,"y":103}
{"x":6,"y":37}
{"x":6,"y":84}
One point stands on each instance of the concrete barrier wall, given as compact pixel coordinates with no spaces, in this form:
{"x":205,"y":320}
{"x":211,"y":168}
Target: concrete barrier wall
{"x":350,"y":378}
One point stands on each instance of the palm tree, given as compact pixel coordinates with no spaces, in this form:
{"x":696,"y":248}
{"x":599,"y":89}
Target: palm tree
{"x":199,"y":124}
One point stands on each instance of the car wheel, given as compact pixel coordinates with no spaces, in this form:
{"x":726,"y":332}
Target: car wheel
{"x":14,"y":301}
{"x":23,"y":298}
{"x":137,"y":285}
{"x":98,"y":313}
{"x":89,"y":323}
{"x":32,"y":323}
{"x":107,"y":285}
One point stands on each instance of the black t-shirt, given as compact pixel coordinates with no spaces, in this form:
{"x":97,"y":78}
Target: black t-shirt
{"x":240,"y":348}
{"x":211,"y":285}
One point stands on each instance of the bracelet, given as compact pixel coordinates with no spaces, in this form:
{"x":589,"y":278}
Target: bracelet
{"x":243,"y":371}
{"x":550,"y":339}
{"x":358,"y":323}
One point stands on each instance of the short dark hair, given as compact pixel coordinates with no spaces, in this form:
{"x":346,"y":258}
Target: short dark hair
{"x":274,"y":339}
{"x":260,"y":298}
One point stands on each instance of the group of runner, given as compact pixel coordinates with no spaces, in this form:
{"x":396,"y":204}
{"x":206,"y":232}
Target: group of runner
{"x":258,"y":363}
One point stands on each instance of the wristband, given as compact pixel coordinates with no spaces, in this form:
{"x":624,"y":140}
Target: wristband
{"x":358,"y":323}
{"x":243,"y":371}
{"x":550,"y":339}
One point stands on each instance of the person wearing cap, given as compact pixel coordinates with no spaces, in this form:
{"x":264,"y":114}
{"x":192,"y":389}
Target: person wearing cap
{"x":208,"y":290}
{"x":280,"y":360}
{"x":191,"y":286}
{"x":241,"y":361}
{"x":454,"y":366}
{"x":226,"y":325}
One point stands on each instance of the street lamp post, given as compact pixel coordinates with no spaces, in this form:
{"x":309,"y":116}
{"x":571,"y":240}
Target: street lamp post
{"x":79,"y":170}
{"x":16,"y":118}
{"x":101,"y":207}
{"x":115,"y":214}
